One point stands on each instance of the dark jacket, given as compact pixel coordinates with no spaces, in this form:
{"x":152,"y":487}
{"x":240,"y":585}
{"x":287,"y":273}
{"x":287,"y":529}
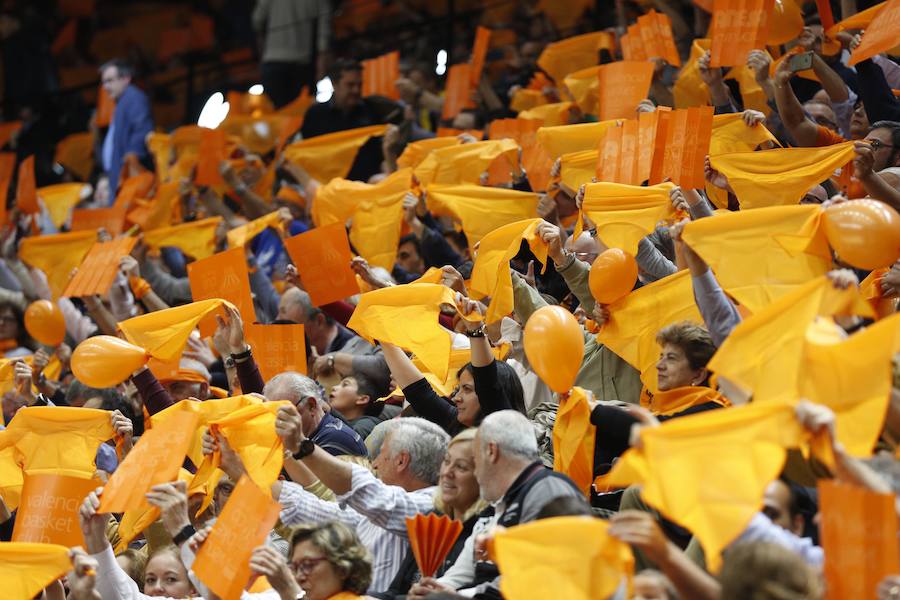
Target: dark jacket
{"x":132,"y":122}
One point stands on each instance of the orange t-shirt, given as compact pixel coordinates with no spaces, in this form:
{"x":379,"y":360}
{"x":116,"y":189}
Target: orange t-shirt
{"x":846,"y":182}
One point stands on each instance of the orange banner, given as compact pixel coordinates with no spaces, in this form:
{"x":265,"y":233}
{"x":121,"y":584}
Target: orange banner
{"x":223,"y":560}
{"x":633,"y":44}
{"x":622,"y":86}
{"x":607,"y":157}
{"x":277,"y":348}
{"x":738,"y":27}
{"x":479,"y":53}
{"x":155,"y":459}
{"x":111,"y":219}
{"x":211,"y":153}
{"x":881,"y":34}
{"x":380,"y":74}
{"x":322,"y":257}
{"x":99,"y":268}
{"x":648,"y":126}
{"x":859,"y":535}
{"x":48,"y":510}
{"x":26,"y":193}
{"x":686,"y":145}
{"x":535,"y":160}
{"x":223,"y":275}
{"x":651,"y":37}
{"x":458,"y":90}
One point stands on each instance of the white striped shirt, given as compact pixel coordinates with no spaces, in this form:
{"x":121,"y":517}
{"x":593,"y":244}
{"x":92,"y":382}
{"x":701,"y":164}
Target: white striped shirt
{"x":376,"y":511}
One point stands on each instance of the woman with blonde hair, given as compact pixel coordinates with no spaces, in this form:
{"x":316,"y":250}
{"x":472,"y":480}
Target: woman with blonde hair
{"x":457,"y":497}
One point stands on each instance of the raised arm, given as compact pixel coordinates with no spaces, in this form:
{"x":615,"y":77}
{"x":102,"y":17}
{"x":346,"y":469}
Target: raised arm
{"x":801,"y":127}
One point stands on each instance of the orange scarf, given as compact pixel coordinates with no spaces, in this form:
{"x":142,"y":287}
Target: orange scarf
{"x":672,"y":402}
{"x":8,"y":344}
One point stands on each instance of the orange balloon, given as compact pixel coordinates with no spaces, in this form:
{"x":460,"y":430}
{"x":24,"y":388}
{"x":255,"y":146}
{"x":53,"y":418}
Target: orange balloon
{"x":45,"y":322}
{"x":554,"y":345}
{"x":864,"y":233}
{"x":785,"y":22}
{"x":104,"y":361}
{"x":612,"y":275}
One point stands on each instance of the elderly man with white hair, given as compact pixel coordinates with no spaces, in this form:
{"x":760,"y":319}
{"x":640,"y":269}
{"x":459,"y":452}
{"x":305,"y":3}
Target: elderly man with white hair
{"x":407,"y":467}
{"x":516,"y":483}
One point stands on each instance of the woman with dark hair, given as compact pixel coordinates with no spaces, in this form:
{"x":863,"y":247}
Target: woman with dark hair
{"x":486,"y":384}
{"x":14,"y":339}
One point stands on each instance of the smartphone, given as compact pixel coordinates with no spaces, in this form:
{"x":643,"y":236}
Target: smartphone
{"x":800,"y":62}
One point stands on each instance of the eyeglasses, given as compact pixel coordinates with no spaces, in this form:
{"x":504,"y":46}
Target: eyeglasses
{"x":307,"y":565}
{"x":878,"y":145}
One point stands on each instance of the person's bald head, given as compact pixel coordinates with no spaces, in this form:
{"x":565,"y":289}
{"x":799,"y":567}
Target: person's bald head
{"x":295,"y":305}
{"x":585,"y":247}
{"x":816,"y":195}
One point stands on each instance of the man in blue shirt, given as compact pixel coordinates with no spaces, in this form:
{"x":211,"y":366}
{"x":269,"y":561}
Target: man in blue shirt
{"x":130,"y":124}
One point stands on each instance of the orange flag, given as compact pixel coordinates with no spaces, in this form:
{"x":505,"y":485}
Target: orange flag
{"x":223,"y":275}
{"x":7,"y":165}
{"x":331,"y":155}
{"x":617,"y":159}
{"x":155,"y":459}
{"x":573,"y":439}
{"x":75,"y":153}
{"x":222,"y":562}
{"x":490,"y":275}
{"x":277,"y":348}
{"x":431,"y":537}
{"x":111,"y":219}
{"x":860,"y":20}
{"x":48,"y":511}
{"x":105,"y":108}
{"x":242,"y":235}
{"x":212,"y":153}
{"x":322,"y":257}
{"x":622,"y":86}
{"x":26,"y":193}
{"x":881,"y":34}
{"x":59,"y":200}
{"x":57,"y":255}
{"x":651,"y":37}
{"x":479,"y":53}
{"x":379,"y":75}
{"x":688,"y":133}
{"x":738,"y":27}
{"x":163,"y":210}
{"x":859,"y":536}
{"x":134,"y":187}
{"x":26,"y":569}
{"x":97,"y":272}
{"x":535,"y":160}
{"x":574,"y":53}
{"x":457,"y":91}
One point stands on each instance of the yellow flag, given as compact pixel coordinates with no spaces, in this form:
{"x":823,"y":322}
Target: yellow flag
{"x":490,"y":275}
{"x":137,"y":520}
{"x":378,"y":218}
{"x":196,"y":239}
{"x":624,"y":214}
{"x":731,"y":134}
{"x":464,"y":163}
{"x":574,"y":53}
{"x":561,"y":557}
{"x":415,"y":152}
{"x":331,"y":155}
{"x":60,"y":199}
{"x":163,"y":150}
{"x":553,"y":115}
{"x":480,"y":209}
{"x":689,"y":89}
{"x":708,"y":471}
{"x":407,"y":316}
{"x":745,"y":252}
{"x":573,"y":439}
{"x":336,"y":201}
{"x":57,"y":439}
{"x":11,"y":478}
{"x":76,"y":153}
{"x":578,"y":168}
{"x":637,"y":318}
{"x":240,"y":236}
{"x":780,"y":176}
{"x":564,"y":139}
{"x":525,"y":99}
{"x":26,"y":568}
{"x":161,"y":211}
{"x":583,"y":85}
{"x":250,"y":432}
{"x":164,"y":333}
{"x":57,"y":255}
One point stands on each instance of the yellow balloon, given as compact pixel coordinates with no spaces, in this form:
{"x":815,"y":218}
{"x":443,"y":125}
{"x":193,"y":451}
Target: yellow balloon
{"x":45,"y":323}
{"x":554,"y":345}
{"x":104,"y":361}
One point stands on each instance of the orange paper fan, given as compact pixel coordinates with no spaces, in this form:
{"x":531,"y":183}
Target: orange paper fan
{"x":431,"y":537}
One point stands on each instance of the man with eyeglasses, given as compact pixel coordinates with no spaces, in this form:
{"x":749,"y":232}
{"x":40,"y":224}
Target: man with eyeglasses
{"x":131,"y":121}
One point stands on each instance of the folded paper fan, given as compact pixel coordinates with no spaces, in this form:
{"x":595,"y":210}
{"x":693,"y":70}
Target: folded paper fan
{"x":431,"y":537}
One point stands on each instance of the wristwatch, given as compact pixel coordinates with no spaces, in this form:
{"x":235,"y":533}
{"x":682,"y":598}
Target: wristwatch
{"x":307,"y":447}
{"x":182,"y":536}
{"x":476,"y":333}
{"x":228,"y":362}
